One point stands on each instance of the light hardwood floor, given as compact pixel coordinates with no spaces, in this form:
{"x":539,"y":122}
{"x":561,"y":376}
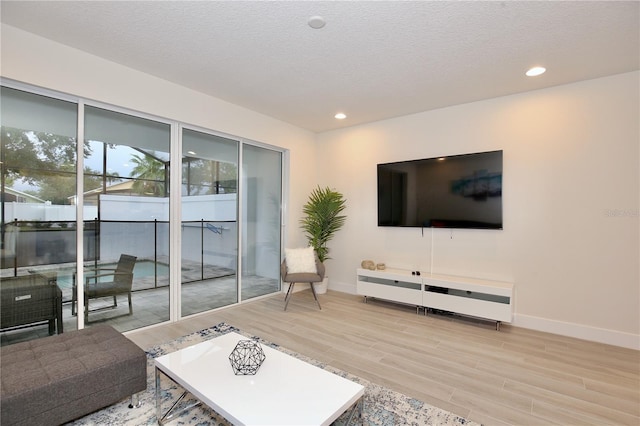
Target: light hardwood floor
{"x":512,"y":376}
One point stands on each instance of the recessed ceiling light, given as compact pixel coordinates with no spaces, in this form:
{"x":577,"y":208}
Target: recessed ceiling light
{"x":340,"y":116}
{"x":535,"y":71}
{"x":316,"y":22}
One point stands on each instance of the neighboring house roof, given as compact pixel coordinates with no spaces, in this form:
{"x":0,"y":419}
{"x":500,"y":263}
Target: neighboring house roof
{"x":11,"y":194}
{"x":91,"y":197}
{"x":122,"y":187}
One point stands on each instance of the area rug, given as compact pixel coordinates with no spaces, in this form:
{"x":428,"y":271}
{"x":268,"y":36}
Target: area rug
{"x":382,"y":406}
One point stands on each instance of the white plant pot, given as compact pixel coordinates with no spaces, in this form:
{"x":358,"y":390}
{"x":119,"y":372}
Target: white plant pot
{"x":321,"y":288}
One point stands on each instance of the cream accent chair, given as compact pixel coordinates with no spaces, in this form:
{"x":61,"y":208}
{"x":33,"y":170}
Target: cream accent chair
{"x":302,"y":277}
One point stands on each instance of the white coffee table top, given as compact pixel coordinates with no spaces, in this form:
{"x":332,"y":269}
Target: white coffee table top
{"x":284,"y":391}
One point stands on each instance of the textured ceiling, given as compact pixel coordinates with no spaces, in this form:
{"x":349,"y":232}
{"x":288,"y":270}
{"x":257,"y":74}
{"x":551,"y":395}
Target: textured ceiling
{"x":372,"y":60}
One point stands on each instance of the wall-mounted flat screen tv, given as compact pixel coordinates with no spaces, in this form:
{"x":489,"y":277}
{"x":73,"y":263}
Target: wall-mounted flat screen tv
{"x":458,"y":191}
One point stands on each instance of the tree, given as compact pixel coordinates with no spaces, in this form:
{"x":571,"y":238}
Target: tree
{"x":45,"y":161}
{"x":59,"y":187}
{"x":150,"y":175}
{"x":26,"y":154}
{"x":209,"y":176}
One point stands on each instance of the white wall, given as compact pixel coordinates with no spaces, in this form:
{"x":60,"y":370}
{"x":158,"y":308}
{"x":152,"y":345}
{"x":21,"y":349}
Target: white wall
{"x":31,"y":59}
{"x":571,"y":199}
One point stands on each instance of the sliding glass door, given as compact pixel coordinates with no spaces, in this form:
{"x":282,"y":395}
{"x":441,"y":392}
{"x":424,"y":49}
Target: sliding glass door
{"x":38,"y":217}
{"x":209,"y":222}
{"x":261,"y":219}
{"x":126,"y":223}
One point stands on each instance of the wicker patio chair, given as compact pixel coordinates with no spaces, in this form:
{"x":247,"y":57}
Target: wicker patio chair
{"x":120,"y":281}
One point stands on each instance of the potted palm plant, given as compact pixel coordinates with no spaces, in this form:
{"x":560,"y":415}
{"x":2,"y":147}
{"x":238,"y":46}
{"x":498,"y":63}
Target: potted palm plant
{"x":322,"y":219}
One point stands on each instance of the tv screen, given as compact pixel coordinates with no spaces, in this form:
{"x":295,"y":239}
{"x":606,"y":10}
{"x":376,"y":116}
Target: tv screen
{"x":458,"y":191}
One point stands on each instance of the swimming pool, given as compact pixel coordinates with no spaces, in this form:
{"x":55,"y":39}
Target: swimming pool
{"x":142,"y":269}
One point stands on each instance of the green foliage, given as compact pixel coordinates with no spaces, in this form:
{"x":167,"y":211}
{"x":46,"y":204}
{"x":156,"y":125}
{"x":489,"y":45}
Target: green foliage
{"x":26,"y":153}
{"x":45,"y":161}
{"x":200,"y":176}
{"x":323,"y":219}
{"x":150,"y":174}
{"x":60,"y":186}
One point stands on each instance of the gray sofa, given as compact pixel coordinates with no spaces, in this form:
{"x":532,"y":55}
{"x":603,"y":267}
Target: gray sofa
{"x":56,"y":379}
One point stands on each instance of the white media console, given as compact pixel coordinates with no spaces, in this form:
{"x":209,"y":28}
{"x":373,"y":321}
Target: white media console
{"x":492,"y":300}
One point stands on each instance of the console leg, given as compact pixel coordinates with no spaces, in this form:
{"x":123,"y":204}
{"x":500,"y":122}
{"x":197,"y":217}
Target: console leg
{"x":365,"y":299}
{"x":497,"y":325}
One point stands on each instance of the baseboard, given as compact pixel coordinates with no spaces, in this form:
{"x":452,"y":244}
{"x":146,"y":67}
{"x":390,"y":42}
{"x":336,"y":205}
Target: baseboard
{"x":342,"y":287}
{"x":579,"y":331}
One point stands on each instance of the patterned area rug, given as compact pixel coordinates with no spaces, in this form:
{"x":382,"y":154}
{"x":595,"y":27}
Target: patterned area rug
{"x":382,"y":406}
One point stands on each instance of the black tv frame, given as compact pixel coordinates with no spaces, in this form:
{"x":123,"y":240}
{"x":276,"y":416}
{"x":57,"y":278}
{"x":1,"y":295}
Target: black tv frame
{"x":465,"y":189}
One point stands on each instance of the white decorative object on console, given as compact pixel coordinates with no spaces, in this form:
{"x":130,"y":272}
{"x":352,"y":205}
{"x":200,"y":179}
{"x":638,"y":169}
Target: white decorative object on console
{"x":486,"y":299}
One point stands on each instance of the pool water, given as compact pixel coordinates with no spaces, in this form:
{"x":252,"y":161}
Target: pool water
{"x":142,"y":269}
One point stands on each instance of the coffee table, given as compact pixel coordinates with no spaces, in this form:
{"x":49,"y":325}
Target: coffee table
{"x":284,"y":391}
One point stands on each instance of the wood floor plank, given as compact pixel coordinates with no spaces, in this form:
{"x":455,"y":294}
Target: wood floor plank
{"x":601,"y":413}
{"x":628,"y":392}
{"x":488,"y":405}
{"x":569,"y":389}
{"x":562,"y":416}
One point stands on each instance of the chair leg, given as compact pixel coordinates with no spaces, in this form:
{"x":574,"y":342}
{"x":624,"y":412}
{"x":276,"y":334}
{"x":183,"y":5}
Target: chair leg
{"x":315,"y":295}
{"x":288,"y":296}
{"x":130,"y":305}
